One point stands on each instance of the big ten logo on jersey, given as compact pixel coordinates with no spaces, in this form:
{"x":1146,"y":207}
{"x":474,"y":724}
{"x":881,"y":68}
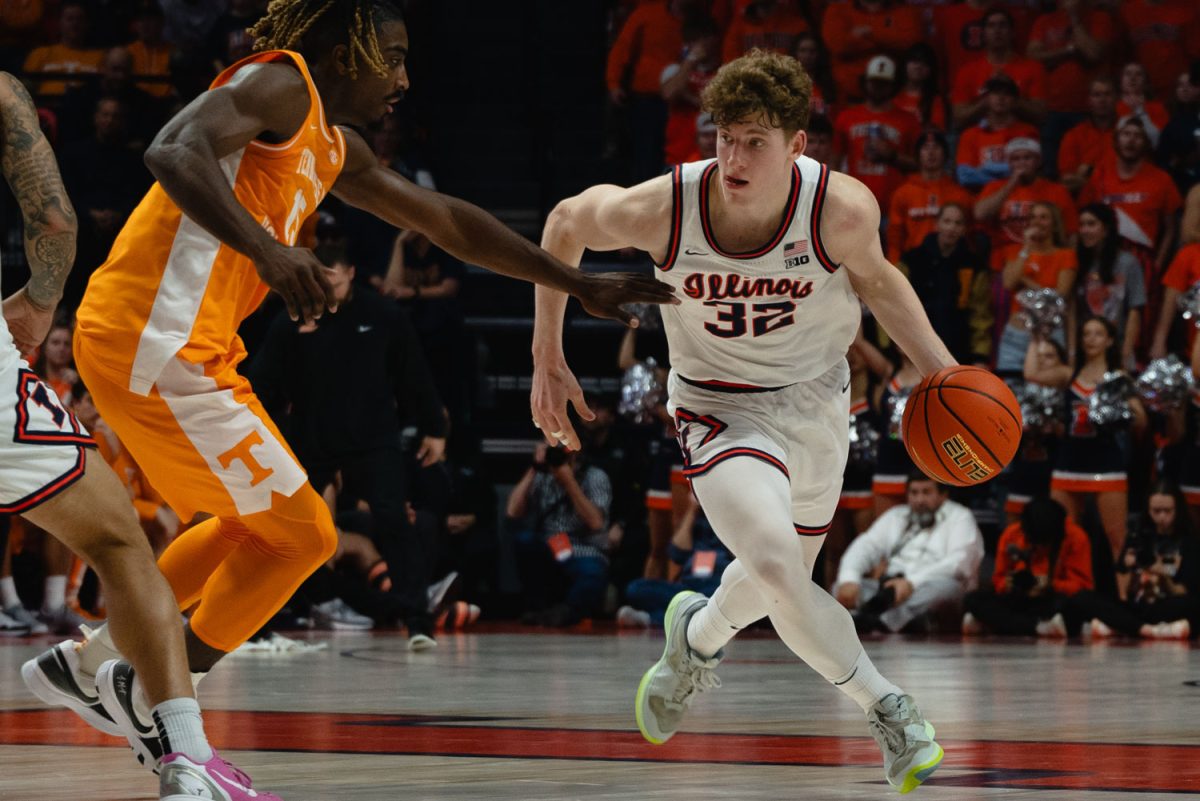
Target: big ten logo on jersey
{"x":795,"y":254}
{"x":307,"y":168}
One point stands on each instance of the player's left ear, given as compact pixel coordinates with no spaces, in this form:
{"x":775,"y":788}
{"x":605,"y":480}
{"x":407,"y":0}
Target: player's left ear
{"x":341,"y":59}
{"x":798,"y":144}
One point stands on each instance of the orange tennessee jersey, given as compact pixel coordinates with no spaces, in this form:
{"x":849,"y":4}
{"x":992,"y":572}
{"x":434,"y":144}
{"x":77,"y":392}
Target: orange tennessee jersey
{"x":914,"y":210}
{"x":170,"y":288}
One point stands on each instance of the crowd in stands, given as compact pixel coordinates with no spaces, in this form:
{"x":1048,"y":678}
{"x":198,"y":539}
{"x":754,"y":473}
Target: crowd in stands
{"x":1011,"y":145}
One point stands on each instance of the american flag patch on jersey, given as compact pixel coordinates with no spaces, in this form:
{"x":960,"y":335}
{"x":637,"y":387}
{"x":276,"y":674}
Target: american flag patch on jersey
{"x":795,"y":248}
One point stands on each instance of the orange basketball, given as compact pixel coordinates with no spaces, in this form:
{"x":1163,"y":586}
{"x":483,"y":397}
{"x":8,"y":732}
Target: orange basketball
{"x":961,"y":425}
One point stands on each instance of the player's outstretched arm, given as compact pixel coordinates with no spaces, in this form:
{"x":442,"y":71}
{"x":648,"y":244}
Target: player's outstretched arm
{"x":850,"y":231}
{"x":262,"y":100}
{"x":473,"y":235}
{"x":600,"y":218}
{"x":50,"y":227}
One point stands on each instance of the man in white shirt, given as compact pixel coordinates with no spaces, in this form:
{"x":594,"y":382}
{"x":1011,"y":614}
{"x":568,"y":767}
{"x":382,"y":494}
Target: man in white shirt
{"x":911,"y":560}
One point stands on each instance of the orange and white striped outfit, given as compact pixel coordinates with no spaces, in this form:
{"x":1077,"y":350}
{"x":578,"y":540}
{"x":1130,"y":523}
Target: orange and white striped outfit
{"x":156,"y":343}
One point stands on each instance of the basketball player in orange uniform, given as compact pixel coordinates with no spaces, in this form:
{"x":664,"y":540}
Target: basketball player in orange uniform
{"x":239,"y":170}
{"x":49,"y":476}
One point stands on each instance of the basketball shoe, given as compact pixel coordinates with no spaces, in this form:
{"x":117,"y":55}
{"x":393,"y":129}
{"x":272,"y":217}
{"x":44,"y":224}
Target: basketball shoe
{"x":114,"y":685}
{"x":667,"y":689}
{"x":910,"y":755}
{"x":55,"y":678}
{"x":181,"y":779}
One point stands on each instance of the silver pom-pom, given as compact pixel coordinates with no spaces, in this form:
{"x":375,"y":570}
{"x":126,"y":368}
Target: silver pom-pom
{"x":1189,"y":304}
{"x":895,"y":411}
{"x":1165,"y":384}
{"x":640,"y":392}
{"x":1039,"y":404}
{"x":648,"y":315}
{"x":864,"y":441}
{"x":1042,"y":311}
{"x":1109,"y":404}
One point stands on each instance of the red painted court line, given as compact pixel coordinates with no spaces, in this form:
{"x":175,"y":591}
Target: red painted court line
{"x":1139,"y":767}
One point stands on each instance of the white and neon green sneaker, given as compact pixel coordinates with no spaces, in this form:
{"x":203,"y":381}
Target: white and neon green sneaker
{"x":910,"y":755}
{"x":667,"y":688}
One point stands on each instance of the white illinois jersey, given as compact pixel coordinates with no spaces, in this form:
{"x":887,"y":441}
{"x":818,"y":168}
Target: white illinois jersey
{"x":770,"y":317}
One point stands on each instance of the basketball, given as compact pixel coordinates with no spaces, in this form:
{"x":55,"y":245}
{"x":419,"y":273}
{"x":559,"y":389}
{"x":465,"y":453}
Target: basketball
{"x":961,"y":425}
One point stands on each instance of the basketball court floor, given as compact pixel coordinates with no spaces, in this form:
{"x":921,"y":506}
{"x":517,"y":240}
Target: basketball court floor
{"x":508,"y":714}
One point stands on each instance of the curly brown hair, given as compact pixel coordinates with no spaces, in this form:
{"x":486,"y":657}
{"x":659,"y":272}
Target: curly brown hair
{"x":760,"y":86}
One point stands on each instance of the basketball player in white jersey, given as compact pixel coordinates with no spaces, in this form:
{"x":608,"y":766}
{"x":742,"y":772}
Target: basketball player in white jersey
{"x":50,"y":477}
{"x":770,"y":254}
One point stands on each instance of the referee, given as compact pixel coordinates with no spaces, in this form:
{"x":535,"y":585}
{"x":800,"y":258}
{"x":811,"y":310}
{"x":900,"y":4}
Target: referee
{"x":342,"y":385}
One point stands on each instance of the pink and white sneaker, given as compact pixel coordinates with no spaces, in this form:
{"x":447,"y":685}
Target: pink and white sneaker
{"x":181,"y":779}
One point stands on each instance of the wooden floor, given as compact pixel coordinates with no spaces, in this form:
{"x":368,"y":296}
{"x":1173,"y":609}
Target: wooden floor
{"x":524,"y":715}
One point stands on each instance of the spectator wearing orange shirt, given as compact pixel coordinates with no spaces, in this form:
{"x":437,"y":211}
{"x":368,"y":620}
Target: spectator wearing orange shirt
{"x":151,"y":53}
{"x":766,"y":25}
{"x":1071,"y":43}
{"x":1144,"y":197}
{"x":958,"y":30}
{"x":875,"y":138}
{"x":1183,"y":273}
{"x":1135,"y":101}
{"x":1042,"y":261}
{"x":919,"y":94}
{"x":981,"y":157}
{"x":1164,"y":36}
{"x":1000,"y":56}
{"x":650,"y":39}
{"x":811,"y":54}
{"x":1090,"y":142}
{"x":70,"y":55}
{"x":916,"y":205}
{"x":1005,"y":205}
{"x":682,"y":83}
{"x":856,"y":31}
{"x":1040,"y":561}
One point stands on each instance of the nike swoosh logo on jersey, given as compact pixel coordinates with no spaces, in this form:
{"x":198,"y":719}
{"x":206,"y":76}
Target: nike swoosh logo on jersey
{"x":846,"y":387}
{"x":691,"y":252}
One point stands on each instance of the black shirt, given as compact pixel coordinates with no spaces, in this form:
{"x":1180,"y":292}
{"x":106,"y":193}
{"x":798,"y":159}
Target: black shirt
{"x":348,"y":380}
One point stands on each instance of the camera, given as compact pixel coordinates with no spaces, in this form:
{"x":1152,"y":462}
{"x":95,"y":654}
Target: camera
{"x":556,"y":456}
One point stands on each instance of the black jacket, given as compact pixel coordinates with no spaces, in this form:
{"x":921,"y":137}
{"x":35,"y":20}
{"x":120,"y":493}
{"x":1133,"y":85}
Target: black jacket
{"x":348,"y":381}
{"x":955,"y":292}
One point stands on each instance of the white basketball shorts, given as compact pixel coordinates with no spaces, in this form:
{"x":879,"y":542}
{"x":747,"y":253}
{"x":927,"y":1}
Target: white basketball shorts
{"x":802,"y":429}
{"x":41,"y":442}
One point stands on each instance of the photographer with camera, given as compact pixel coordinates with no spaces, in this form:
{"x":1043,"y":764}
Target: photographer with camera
{"x":915,"y":558}
{"x":562,"y":552}
{"x":1158,"y":575}
{"x":1041,"y":560}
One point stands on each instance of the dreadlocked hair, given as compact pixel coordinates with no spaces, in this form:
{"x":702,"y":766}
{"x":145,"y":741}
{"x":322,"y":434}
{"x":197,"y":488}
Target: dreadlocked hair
{"x":287,"y":23}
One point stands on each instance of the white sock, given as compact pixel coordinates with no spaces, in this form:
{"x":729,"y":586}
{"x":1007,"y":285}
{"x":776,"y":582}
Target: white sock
{"x":181,"y":730}
{"x":8,"y":592}
{"x":709,"y":630}
{"x":55,"y":597}
{"x":141,"y":706}
{"x":97,"y":649}
{"x":865,"y":684}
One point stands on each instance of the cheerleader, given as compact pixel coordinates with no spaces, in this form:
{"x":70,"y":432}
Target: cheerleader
{"x":1091,"y":461}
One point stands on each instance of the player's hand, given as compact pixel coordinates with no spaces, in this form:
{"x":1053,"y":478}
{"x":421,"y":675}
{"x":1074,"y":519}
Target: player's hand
{"x":300,"y":279}
{"x":602,"y":294}
{"x":432,"y":451}
{"x":28,"y":324}
{"x":903,"y":589}
{"x":553,"y":385}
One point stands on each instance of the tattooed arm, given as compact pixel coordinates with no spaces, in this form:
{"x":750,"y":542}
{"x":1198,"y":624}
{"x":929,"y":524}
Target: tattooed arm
{"x":32,"y":174}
